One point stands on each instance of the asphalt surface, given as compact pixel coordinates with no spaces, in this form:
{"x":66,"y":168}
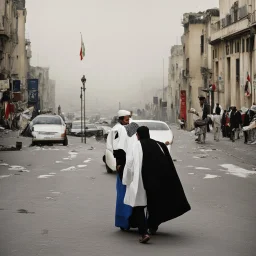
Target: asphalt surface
{"x":71,"y":211}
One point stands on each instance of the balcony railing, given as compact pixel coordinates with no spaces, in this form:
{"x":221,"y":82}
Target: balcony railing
{"x":253,"y":17}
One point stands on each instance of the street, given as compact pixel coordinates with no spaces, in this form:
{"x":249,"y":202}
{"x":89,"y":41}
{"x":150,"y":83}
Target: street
{"x":59,"y":201}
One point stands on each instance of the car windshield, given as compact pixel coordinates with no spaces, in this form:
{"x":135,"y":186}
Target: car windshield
{"x":47,"y":120}
{"x":154,"y":126}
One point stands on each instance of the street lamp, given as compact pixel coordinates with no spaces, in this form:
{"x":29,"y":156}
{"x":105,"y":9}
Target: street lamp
{"x":83,"y":80}
{"x":81,"y":97}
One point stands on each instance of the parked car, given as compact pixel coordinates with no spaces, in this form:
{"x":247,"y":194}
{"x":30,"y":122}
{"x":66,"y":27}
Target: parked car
{"x":48,"y":128}
{"x":91,"y":129}
{"x":159,"y":131}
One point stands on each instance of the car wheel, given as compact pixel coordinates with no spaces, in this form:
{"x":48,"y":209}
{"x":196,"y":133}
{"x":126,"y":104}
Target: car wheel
{"x":65,"y":142}
{"x":104,"y":159}
{"x":108,"y":169}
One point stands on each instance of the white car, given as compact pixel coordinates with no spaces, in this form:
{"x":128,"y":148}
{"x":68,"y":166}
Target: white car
{"x":48,"y":128}
{"x":158,"y":130}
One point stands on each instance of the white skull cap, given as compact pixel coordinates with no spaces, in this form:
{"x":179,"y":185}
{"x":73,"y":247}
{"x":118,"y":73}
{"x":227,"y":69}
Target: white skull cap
{"x":121,"y":113}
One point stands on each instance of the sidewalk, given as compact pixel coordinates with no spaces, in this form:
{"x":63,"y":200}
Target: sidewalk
{"x":242,"y":152}
{"x":8,"y":138}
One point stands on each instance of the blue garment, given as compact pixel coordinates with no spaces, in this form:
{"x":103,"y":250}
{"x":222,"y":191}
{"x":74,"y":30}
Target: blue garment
{"x":123,"y":211}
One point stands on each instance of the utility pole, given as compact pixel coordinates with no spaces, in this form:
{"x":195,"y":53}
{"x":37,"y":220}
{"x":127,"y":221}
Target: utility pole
{"x":81,"y":97}
{"x":162,"y":110}
{"x":83,"y":80}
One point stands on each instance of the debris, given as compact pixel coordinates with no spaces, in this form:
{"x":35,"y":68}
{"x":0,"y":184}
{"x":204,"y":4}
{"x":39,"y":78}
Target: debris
{"x":4,"y":176}
{"x":49,"y":198}
{"x":45,"y":232}
{"x":4,"y":164}
{"x":24,"y":211}
{"x":81,"y":166}
{"x":91,"y":148}
{"x":44,"y":176}
{"x":202,"y":168}
{"x":210,"y":176}
{"x":72,"y":168}
{"x":236,"y":170}
{"x":16,"y":168}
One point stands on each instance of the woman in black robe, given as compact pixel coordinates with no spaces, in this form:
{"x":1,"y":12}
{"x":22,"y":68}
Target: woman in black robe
{"x":166,"y":199}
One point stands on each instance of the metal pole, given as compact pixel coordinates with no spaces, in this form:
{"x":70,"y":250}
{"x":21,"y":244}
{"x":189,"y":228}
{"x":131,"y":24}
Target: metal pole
{"x":163,"y":79}
{"x":84,"y":115}
{"x":81,"y":97}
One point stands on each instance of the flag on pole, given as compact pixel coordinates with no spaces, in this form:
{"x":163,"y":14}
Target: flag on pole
{"x":82,"y":50}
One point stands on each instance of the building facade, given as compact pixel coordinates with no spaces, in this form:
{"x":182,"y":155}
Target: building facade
{"x":233,"y":48}
{"x":191,"y":74}
{"x":174,"y":83}
{"x":8,"y":37}
{"x":15,"y":49}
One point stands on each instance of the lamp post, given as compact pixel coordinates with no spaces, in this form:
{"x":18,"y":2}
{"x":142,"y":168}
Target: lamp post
{"x":83,"y":80}
{"x":81,"y":97}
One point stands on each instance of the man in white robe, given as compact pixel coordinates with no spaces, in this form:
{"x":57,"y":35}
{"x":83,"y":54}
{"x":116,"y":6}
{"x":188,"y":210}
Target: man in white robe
{"x":120,"y":141}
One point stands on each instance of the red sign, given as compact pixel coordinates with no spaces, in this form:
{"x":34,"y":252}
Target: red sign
{"x":183,"y":106}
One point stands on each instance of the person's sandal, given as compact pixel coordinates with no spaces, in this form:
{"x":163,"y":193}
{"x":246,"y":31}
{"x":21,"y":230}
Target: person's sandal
{"x":144,"y":239}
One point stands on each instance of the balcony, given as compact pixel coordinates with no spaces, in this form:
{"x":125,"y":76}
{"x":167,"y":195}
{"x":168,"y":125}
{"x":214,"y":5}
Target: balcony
{"x":233,"y":29}
{"x":5,"y":28}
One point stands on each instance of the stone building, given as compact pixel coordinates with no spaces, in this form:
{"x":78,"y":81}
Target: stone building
{"x":191,"y":74}
{"x":174,"y":83}
{"x":234,"y":60}
{"x":15,"y":49}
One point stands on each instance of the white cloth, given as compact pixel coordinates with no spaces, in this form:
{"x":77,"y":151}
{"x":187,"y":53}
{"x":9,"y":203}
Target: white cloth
{"x":135,"y":193}
{"x":120,"y":142}
{"x":250,"y":127}
{"x":216,"y":119}
{"x":121,"y":113}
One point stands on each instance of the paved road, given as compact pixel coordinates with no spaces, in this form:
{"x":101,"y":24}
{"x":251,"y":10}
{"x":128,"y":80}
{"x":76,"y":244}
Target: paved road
{"x":59,"y":201}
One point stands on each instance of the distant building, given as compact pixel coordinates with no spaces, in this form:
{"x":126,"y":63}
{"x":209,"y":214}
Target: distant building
{"x":174,"y":83}
{"x":192,"y":80}
{"x":52,"y":96}
{"x":42,"y":74}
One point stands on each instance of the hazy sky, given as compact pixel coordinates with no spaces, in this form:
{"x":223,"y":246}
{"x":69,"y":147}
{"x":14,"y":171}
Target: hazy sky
{"x":125,"y":43}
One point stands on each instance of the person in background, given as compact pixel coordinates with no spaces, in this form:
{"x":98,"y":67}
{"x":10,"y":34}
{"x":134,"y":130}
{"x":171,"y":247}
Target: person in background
{"x":223,"y":124}
{"x":247,"y":120}
{"x":216,"y":119}
{"x":206,"y":109}
{"x":235,"y":122}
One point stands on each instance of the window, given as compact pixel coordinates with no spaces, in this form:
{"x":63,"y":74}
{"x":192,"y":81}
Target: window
{"x":247,"y":44}
{"x":202,"y":44}
{"x":216,"y":53}
{"x":47,"y":120}
{"x":237,"y":46}
{"x":231,"y":47}
{"x":243,"y":45}
{"x":227,"y":49}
